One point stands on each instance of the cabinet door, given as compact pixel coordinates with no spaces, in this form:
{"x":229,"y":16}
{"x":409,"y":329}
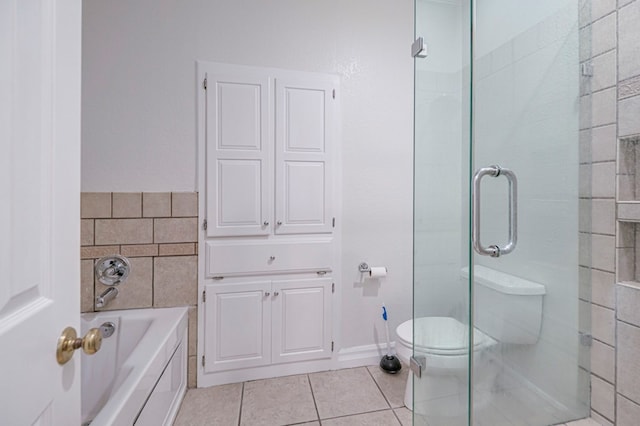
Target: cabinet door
{"x":239,"y":145}
{"x":305,"y":132}
{"x":237,"y":326}
{"x":301,"y":320}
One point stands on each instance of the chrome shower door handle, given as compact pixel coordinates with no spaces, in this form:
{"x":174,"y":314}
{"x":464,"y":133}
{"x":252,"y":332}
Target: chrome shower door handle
{"x":494,"y":250}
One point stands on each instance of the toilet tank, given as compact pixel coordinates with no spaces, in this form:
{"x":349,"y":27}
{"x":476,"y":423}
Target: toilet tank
{"x":508,"y":308}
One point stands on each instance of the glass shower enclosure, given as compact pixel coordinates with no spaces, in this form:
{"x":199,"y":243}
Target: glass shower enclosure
{"x":501,"y":326}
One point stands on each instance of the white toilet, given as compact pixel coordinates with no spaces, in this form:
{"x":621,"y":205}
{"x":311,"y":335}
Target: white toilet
{"x":508,"y":310}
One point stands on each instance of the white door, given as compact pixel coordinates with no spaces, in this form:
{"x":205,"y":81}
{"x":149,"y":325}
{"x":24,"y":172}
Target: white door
{"x":237,"y":325}
{"x":301,"y":319}
{"x":239,"y":145}
{"x":305,"y":133}
{"x":39,"y":209}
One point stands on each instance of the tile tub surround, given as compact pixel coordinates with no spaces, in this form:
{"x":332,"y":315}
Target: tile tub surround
{"x":158,"y":232}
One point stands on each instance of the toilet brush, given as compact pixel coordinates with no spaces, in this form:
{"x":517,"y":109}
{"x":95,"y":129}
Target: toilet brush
{"x":389,"y":363}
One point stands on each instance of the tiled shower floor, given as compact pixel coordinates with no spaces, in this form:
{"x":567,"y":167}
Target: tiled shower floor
{"x":350,"y":397}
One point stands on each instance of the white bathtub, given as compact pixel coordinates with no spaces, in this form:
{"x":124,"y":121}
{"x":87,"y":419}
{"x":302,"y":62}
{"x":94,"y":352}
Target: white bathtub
{"x":139,"y":374}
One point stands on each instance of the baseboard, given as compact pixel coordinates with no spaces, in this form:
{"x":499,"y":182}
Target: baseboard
{"x":358,"y":356}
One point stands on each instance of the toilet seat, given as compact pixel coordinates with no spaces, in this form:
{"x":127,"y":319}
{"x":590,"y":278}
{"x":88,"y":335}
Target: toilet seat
{"x":443,"y":336}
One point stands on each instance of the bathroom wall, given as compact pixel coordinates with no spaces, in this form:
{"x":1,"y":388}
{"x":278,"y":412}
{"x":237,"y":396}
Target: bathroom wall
{"x":157,"y":232}
{"x":139,"y":114}
{"x":614,"y":110}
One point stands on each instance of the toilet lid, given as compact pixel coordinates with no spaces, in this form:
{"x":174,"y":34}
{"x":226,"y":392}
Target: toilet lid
{"x":441,"y":335}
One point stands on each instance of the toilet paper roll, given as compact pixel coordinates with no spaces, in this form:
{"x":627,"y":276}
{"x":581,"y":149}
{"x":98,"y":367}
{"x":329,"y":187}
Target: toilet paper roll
{"x":378,"y":272}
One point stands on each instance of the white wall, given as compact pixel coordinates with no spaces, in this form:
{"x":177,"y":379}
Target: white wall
{"x":139,"y":112}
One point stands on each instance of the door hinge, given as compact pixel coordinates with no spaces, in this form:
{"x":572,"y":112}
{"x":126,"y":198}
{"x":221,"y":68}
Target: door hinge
{"x":333,"y":93}
{"x":333,"y":287}
{"x":203,"y":360}
{"x":204,"y":296}
{"x":332,"y":346}
{"x":204,"y":225}
{"x":417,"y":364}
{"x":204,"y":83}
{"x":333,"y":222}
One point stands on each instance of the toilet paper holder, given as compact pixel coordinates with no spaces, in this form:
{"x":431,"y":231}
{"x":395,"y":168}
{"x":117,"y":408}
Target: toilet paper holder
{"x":364,"y":268}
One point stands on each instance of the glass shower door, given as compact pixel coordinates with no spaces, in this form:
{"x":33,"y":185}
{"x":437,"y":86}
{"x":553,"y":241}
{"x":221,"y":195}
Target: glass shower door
{"x":526,"y":159}
{"x":497,"y":309}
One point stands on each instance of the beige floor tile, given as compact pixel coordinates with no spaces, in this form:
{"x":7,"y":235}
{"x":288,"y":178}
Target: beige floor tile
{"x":584,"y":422}
{"x":404,"y":415}
{"x":346,"y":392}
{"x":279,"y":401}
{"x":378,"y":418}
{"x":392,"y":385}
{"x":218,"y":405}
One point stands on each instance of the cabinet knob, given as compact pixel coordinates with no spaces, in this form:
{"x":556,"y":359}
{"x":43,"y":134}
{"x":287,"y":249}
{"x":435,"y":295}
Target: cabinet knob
{"x":279,"y":223}
{"x":272,"y":258}
{"x":265,"y":223}
{"x":266,"y":293}
{"x":275,"y":293}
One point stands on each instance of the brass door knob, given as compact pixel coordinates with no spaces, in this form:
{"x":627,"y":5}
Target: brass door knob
{"x":68,"y":342}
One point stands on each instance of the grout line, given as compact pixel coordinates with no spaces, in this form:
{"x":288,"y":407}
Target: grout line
{"x":313,"y":396}
{"x":378,"y":386}
{"x":241,"y":402}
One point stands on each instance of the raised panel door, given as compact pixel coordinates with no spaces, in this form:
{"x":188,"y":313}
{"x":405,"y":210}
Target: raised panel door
{"x":301,"y":320}
{"x":305,"y":132}
{"x":239,"y":145}
{"x":237,"y":325}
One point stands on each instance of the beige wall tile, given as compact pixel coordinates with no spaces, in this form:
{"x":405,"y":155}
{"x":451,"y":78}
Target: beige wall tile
{"x":603,"y":324}
{"x":603,"y":216}
{"x":603,"y":252}
{"x":603,"y":361}
{"x":600,"y":8}
{"x":192,"y":372}
{"x":86,"y":286}
{"x":625,"y":259}
{"x":628,"y":413}
{"x":127,"y":204}
{"x":603,"y":290}
{"x":86,"y":232}
{"x":156,"y":204}
{"x":184,"y":204}
{"x":628,"y":303}
{"x":604,"y":143}
{"x":603,"y":33}
{"x":193,"y":330}
{"x":139,"y":250}
{"x":602,"y":397}
{"x":628,"y":361}
{"x":604,"y":71}
{"x":177,"y":249}
{"x":603,"y":179}
{"x":95,"y":205}
{"x":94,"y":252}
{"x":626,"y":235}
{"x":124,"y":231}
{"x":603,"y":107}
{"x":626,"y":188}
{"x":629,"y":39}
{"x":175,"y":281}
{"x":600,"y":420}
{"x":136,"y":291}
{"x":628,"y":111}
{"x":584,"y":283}
{"x":184,"y":230}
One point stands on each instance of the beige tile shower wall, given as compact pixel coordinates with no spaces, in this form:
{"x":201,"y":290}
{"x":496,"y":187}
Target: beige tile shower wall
{"x":158,"y":232}
{"x":615,"y":136}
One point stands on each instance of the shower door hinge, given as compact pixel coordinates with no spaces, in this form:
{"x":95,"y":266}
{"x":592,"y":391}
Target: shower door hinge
{"x":419,"y":48}
{"x":332,"y":346}
{"x":333,"y":93}
{"x":586,"y":339}
{"x":417,"y":364}
{"x":333,"y":222}
{"x":204,"y":83}
{"x":204,"y":225}
{"x":203,"y":360}
{"x":586,"y":69}
{"x":204,"y":296}
{"x":333,"y":287}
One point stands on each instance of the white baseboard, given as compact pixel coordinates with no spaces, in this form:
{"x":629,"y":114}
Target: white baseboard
{"x":358,"y":356}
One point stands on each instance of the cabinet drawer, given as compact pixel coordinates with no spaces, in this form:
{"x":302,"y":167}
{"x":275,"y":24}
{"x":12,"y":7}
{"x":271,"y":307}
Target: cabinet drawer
{"x":231,"y":258}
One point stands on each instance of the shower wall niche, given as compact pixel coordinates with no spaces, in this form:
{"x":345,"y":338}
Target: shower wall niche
{"x":628,"y":210}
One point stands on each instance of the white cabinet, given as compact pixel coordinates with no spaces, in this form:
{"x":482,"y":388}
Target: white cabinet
{"x":269,"y":151}
{"x":257,"y":323}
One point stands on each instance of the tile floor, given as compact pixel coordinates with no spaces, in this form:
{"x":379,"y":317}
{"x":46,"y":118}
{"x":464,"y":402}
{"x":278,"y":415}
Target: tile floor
{"x":351,"y":397}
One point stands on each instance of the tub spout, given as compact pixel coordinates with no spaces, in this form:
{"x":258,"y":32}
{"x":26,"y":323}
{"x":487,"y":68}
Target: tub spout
{"x":107,"y":296}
